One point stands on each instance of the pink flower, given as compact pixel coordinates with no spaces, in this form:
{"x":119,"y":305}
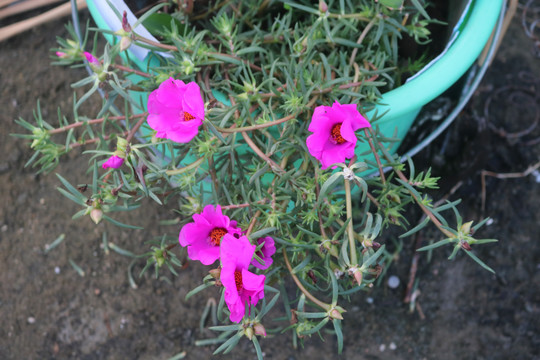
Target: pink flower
{"x":241,"y":286}
{"x":113,"y":162}
{"x":61,"y":54}
{"x":203,"y":236}
{"x":333,"y":139}
{"x":91,"y":59}
{"x":268,"y":249}
{"x":176,"y":110}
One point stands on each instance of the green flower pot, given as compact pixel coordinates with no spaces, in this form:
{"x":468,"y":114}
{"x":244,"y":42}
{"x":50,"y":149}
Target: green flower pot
{"x":399,"y":106}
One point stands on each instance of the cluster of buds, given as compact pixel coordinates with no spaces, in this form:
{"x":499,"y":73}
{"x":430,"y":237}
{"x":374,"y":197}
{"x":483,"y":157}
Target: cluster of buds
{"x":252,"y":328}
{"x":71,"y":52}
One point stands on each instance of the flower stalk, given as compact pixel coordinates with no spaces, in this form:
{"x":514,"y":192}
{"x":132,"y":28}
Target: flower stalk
{"x":350,"y":227}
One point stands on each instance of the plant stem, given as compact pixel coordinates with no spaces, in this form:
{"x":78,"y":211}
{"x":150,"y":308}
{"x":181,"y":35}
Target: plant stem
{"x":189,"y":51}
{"x":90,"y":122}
{"x":253,"y":222}
{"x":350,"y":229}
{"x":432,"y":217}
{"x":256,"y":127}
{"x":374,"y":151}
{"x":261,"y":154}
{"x":95,"y":140}
{"x":268,"y":124}
{"x":360,"y":39}
{"x":349,"y":16}
{"x":128,"y":69}
{"x":135,"y":128}
{"x":313,"y":299}
{"x":193,"y":165}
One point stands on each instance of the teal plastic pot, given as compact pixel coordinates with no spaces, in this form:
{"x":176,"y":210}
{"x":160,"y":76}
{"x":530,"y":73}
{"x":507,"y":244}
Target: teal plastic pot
{"x":399,"y":106}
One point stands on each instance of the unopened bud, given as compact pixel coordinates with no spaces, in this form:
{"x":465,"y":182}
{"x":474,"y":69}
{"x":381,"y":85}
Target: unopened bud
{"x":465,"y":246}
{"x":466,"y":228}
{"x":249,"y":332}
{"x":216,"y":274}
{"x":335,"y":314}
{"x":158,"y":256}
{"x":125,"y":23}
{"x":323,"y":7}
{"x":394,"y":197}
{"x":96,"y":215}
{"x":348,"y":174}
{"x":367,"y":242}
{"x":259,"y":329}
{"x":358,"y":276}
{"x":125,"y":43}
{"x":94,"y":63}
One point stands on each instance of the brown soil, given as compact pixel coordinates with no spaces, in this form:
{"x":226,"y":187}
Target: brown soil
{"x":48,"y":311}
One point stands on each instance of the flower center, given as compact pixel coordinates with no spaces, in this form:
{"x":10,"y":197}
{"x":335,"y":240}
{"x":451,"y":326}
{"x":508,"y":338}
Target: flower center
{"x":335,"y":134}
{"x":216,"y":235}
{"x":238,"y":280}
{"x":188,"y":116}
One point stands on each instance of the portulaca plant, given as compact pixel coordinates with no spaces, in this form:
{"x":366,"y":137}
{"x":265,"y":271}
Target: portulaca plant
{"x":251,"y":121}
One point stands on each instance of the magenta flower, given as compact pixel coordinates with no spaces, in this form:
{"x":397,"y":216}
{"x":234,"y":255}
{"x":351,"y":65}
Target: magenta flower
{"x":265,"y":253}
{"x":203,"y":236}
{"x":176,"y":110}
{"x":333,"y":139}
{"x":241,"y":286}
{"x":113,"y":162}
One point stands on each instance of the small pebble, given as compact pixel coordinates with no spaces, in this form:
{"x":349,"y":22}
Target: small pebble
{"x":393,"y":281}
{"x":536,"y":175}
{"x":382,"y":347}
{"x":369,"y":300}
{"x":57,"y":270}
{"x":42,"y":201}
{"x":4,"y":228}
{"x":392,"y":346}
{"x":490,"y":221}
{"x":31,"y":320}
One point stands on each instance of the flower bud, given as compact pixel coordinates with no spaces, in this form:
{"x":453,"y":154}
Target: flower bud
{"x":215,"y":273}
{"x":125,"y":23}
{"x":188,"y":66}
{"x":323,"y":7}
{"x":348,"y":174}
{"x":259,"y":329}
{"x":158,"y":256}
{"x":466,"y":228}
{"x":96,"y":215}
{"x":367,"y":242}
{"x":335,"y":314}
{"x":125,"y":43}
{"x":121,"y":147}
{"x":358,"y":275}
{"x":94,"y":63}
{"x":249,"y":332}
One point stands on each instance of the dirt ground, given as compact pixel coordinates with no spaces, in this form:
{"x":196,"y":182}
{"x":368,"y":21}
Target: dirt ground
{"x":48,"y":311}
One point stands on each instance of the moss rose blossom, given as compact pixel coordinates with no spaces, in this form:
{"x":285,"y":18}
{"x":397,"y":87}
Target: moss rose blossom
{"x":176,"y":110}
{"x":203,"y":236}
{"x":241,"y":285}
{"x":265,"y":253}
{"x":333,"y":139}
